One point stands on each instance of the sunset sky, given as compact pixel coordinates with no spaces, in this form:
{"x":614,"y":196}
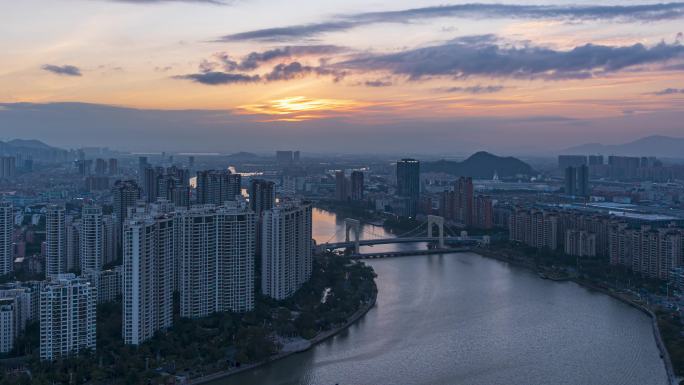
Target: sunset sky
{"x":343,"y":76}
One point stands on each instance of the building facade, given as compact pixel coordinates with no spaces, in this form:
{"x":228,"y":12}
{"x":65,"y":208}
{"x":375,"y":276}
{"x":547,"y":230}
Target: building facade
{"x":6,"y":229}
{"x":91,"y":238}
{"x":286,"y":260}
{"x":67,"y":317}
{"x":55,"y":241}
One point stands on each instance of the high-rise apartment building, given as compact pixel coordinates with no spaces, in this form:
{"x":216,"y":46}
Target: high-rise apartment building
{"x":55,"y":241}
{"x":91,"y":238}
{"x":580,"y":243}
{"x":8,"y":326}
{"x":100,"y":166}
{"x":357,"y":186}
{"x":577,"y":181}
{"x":465,"y":208}
{"x":142,"y":165}
{"x":113,"y":166}
{"x":6,"y":229}
{"x":125,"y":194}
{"x":110,"y":238}
{"x":148,"y":274}
{"x":8,"y":167}
{"x":342,"y":186}
{"x":217,"y":259}
{"x":408,"y":185}
{"x":217,"y":186}
{"x":67,"y":317}
{"x":261,"y":195}
{"x":286,"y":260}
{"x":73,"y":244}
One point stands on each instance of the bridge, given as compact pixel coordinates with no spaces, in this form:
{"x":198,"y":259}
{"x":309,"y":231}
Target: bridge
{"x":417,"y":234}
{"x":405,"y":253}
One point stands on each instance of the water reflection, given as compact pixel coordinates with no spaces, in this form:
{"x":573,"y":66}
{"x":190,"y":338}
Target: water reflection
{"x":465,"y":319}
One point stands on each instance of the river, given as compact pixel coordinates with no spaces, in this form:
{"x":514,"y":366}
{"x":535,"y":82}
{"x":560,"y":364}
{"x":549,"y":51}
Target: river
{"x":465,"y":319}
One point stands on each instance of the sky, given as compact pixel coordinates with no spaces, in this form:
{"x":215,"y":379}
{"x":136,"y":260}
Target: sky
{"x":340,"y":76}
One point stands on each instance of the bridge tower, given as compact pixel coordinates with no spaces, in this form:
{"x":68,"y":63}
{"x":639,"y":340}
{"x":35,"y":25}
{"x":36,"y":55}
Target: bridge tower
{"x":353,"y":224}
{"x":439,"y":221}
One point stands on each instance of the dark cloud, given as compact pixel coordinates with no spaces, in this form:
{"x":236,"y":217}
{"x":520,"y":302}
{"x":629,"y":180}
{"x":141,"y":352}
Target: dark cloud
{"x":459,"y":60}
{"x":296,"y":70}
{"x":217,"y":78}
{"x":472,"y":89}
{"x":65,"y":70}
{"x":283,"y":71}
{"x":623,"y":13}
{"x":378,"y":83}
{"x":669,"y":91}
{"x":292,"y":32}
{"x":255,"y":59}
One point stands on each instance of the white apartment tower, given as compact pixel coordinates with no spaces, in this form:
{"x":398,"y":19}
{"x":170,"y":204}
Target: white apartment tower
{"x":235,"y":255}
{"x":148,"y":246}
{"x":55,"y":241}
{"x":286,"y":260}
{"x":6,"y":227}
{"x":217,"y":259}
{"x":67,"y":316}
{"x":91,"y":239}
{"x":8,"y":326}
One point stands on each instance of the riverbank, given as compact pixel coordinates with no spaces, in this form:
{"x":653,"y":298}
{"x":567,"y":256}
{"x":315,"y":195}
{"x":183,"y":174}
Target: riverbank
{"x":321,"y":337}
{"x":664,"y":353}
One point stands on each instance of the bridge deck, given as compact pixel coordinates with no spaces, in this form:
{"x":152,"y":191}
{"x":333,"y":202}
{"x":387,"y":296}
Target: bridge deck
{"x":385,"y":241}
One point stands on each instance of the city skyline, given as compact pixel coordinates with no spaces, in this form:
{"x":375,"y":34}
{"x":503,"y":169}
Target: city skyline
{"x":507,"y":77}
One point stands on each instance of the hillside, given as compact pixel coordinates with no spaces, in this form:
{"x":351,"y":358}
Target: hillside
{"x":34,"y":149}
{"x":656,"y":145}
{"x":481,"y":165}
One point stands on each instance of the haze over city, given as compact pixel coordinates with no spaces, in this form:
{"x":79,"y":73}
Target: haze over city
{"x":415,"y":76}
{"x":414,"y":192}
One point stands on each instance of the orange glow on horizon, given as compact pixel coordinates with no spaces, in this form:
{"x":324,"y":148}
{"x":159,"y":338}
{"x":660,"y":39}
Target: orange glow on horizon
{"x":300,"y":108}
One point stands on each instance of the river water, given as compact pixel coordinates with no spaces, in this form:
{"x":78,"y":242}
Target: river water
{"x":465,"y":319}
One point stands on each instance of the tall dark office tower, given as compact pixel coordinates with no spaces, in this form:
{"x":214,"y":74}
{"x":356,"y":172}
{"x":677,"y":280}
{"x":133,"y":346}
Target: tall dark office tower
{"x":577,"y":181}
{"x":570,"y":180}
{"x":6,"y":228}
{"x":623,"y":167}
{"x":295,"y":156}
{"x":341,"y":186}
{"x":465,"y":204}
{"x":261,"y":195}
{"x":582,"y":181}
{"x":357,"y":185}
{"x":595,"y":160}
{"x":408,"y":185}
{"x":151,"y":183}
{"x":100,"y":166}
{"x":174,"y":188}
{"x":217,"y":186}
{"x":84,"y":166}
{"x":8,"y":166}
{"x":142,"y":165}
{"x":191,"y":161}
{"x":113,"y":166}
{"x":125,"y":194}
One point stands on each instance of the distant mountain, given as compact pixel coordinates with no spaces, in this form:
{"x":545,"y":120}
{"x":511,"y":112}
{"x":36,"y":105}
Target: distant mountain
{"x":243,"y":156}
{"x":34,"y":149}
{"x":481,"y":165}
{"x":656,"y":145}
